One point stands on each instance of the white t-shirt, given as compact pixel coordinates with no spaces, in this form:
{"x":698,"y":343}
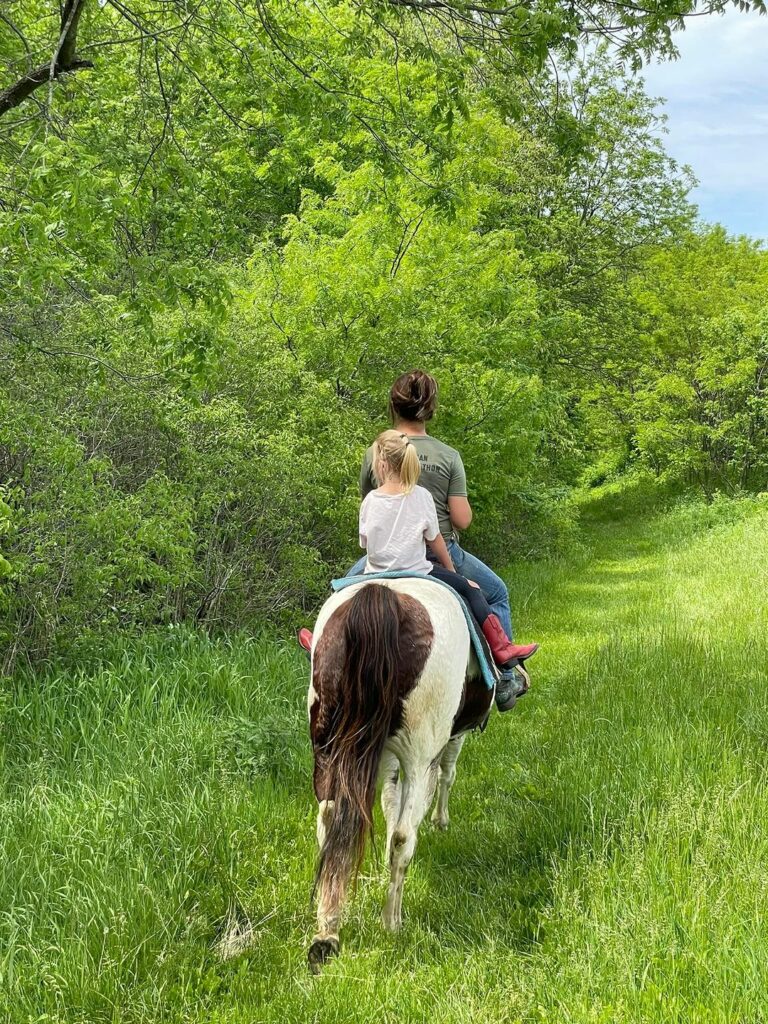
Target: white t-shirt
{"x":394,"y":528}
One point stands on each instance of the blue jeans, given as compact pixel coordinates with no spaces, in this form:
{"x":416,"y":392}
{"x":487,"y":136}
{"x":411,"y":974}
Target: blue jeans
{"x":494,"y":588}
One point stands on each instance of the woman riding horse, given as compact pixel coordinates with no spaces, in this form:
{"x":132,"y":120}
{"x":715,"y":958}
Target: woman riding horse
{"x":412,"y":404}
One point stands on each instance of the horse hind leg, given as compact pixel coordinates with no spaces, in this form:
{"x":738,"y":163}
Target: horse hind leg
{"x":330,"y":899}
{"x":415,"y":796}
{"x":446,"y":778}
{"x":391,"y":796}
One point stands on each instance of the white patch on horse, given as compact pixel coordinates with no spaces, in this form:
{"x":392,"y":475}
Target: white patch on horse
{"x":311,"y":695}
{"x":428,"y":715}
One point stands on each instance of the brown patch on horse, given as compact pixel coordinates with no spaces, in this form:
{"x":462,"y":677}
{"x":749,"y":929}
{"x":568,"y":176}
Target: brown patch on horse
{"x":476,"y":703}
{"x":327,"y":668}
{"x":414,"y":643}
{"x":416,"y":636}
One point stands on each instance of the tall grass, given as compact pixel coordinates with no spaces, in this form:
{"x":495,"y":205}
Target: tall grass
{"x":608,"y":854}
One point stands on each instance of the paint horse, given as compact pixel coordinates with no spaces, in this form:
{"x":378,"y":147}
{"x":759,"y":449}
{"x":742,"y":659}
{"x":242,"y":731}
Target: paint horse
{"x":395,"y":688}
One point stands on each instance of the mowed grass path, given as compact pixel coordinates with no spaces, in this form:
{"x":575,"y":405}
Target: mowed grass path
{"x":608,"y":853}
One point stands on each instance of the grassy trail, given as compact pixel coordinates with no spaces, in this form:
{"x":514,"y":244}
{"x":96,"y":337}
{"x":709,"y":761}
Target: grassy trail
{"x":608,"y":853}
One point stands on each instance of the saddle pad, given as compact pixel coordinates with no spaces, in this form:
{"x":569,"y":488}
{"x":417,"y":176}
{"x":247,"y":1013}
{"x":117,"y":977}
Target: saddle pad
{"x":488,"y":669}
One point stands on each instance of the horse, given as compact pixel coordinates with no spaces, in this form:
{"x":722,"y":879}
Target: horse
{"x":395,"y":687}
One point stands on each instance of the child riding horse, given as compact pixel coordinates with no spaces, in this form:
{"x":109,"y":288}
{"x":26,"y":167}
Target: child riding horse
{"x":399,"y":519}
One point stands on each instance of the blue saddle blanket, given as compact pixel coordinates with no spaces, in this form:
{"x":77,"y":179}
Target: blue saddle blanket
{"x":487,"y":668}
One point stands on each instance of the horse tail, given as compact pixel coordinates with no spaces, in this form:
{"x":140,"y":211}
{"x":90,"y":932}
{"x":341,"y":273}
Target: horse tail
{"x":368,"y":700}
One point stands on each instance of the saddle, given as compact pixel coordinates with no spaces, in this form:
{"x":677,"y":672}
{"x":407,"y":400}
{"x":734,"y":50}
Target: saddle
{"x":486,"y":666}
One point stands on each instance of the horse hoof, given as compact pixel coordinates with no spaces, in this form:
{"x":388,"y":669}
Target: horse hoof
{"x":320,"y":951}
{"x":441,"y":824}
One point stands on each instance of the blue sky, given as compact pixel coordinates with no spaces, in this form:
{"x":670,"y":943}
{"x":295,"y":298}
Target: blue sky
{"x":717,"y":104}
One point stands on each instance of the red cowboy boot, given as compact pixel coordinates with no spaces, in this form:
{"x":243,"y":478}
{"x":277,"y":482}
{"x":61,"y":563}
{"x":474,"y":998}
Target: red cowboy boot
{"x":304,"y":637}
{"x":505,"y":653}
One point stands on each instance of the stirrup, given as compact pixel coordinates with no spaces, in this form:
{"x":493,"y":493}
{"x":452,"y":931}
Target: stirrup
{"x":526,"y":685}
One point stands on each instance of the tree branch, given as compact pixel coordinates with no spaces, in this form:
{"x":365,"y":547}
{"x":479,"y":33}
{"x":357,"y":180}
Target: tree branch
{"x":63,"y":61}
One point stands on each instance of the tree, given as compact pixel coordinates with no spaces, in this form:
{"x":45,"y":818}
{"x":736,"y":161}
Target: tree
{"x":221,"y":243}
{"x":509,"y":30}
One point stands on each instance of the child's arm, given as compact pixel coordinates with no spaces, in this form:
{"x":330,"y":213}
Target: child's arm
{"x":440,"y":550}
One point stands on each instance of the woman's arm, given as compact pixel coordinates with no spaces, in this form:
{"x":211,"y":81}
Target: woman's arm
{"x":440,"y":551}
{"x":460,"y":511}
{"x":366,"y":476}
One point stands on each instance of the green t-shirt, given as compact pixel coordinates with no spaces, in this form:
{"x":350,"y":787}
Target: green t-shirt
{"x":442,"y":473}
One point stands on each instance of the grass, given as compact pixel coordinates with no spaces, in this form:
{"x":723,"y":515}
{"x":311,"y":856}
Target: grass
{"x":608,"y":854}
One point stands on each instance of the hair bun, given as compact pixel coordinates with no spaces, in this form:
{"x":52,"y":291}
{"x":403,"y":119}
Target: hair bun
{"x":413,"y":397}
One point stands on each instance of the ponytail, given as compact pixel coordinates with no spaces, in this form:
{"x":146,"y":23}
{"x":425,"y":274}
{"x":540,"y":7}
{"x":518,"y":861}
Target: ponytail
{"x":392,"y":450}
{"x":410,"y":468}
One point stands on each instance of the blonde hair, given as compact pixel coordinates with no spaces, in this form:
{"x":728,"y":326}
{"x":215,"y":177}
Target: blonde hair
{"x":394,"y":451}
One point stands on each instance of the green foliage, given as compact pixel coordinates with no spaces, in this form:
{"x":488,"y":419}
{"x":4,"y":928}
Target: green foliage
{"x":134,"y":508}
{"x":217,"y":248}
{"x":694,"y":403}
{"x":221,"y":244}
{"x":6,"y":568}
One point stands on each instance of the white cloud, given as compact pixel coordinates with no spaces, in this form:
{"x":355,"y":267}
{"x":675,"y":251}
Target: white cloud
{"x":717,"y":105}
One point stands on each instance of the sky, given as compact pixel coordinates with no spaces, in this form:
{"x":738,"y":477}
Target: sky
{"x":717,"y":104}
